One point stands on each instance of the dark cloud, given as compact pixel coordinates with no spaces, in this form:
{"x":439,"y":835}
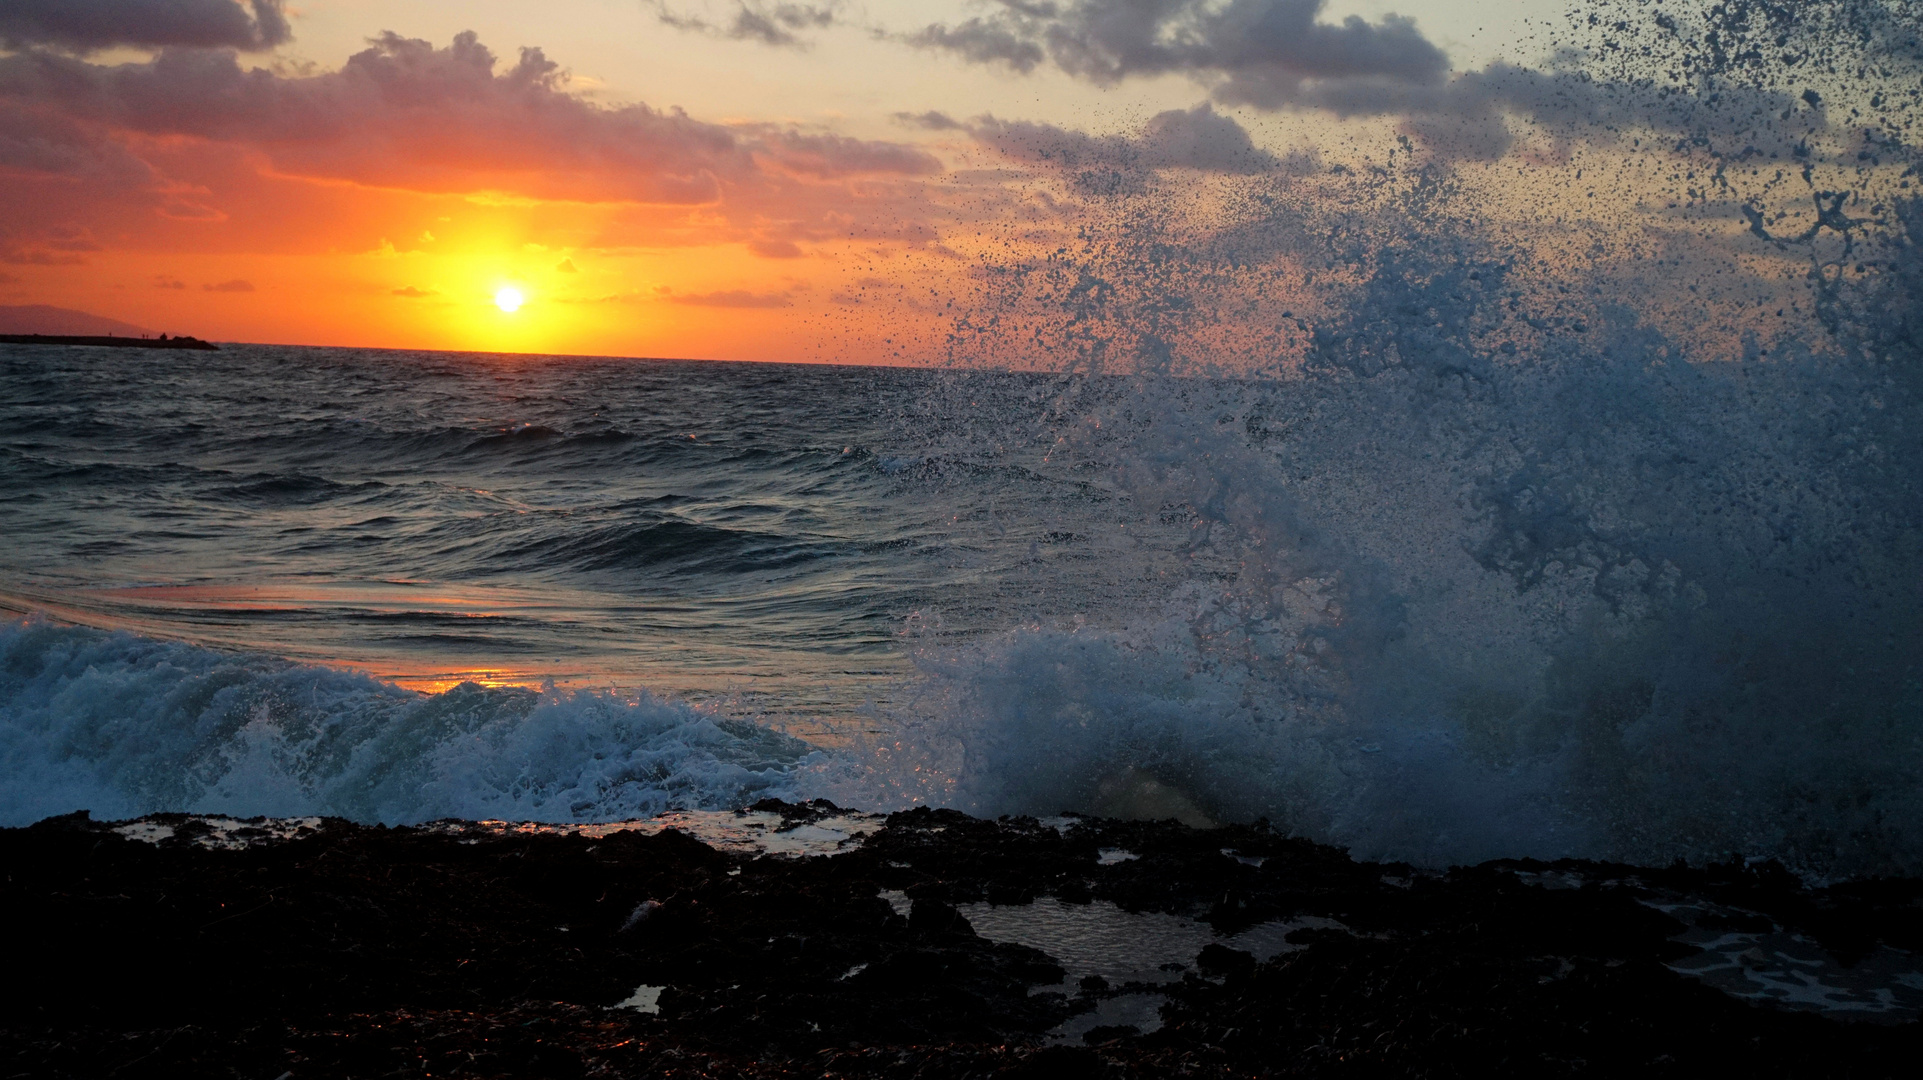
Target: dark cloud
{"x":1725,"y":78}
{"x":1275,"y":54}
{"x":235,"y":286}
{"x":1254,"y":52}
{"x":566,"y":266}
{"x":411,"y":292}
{"x":1198,"y":138}
{"x":88,"y":25}
{"x":406,"y":114}
{"x":41,"y":141}
{"x":1471,"y":115}
{"x":775,"y":249}
{"x":982,"y":41}
{"x":778,"y":24}
{"x":163,"y":281}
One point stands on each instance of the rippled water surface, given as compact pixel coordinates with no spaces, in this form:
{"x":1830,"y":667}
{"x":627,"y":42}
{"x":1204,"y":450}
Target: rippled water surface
{"x":758,"y":532}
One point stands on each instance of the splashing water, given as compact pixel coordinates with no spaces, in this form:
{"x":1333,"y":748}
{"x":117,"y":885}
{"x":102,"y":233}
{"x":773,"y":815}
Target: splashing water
{"x":1543,"y":477}
{"x":1589,"y":526}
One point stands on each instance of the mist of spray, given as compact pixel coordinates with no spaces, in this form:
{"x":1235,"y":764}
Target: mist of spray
{"x":1552,"y":494}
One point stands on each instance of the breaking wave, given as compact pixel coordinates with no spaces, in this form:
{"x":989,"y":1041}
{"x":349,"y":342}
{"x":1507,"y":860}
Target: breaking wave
{"x":1563,"y":499}
{"x":124,"y":725}
{"x":1551,"y":475}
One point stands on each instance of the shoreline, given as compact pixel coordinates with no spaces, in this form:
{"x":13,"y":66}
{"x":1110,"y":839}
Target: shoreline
{"x":925,"y":943}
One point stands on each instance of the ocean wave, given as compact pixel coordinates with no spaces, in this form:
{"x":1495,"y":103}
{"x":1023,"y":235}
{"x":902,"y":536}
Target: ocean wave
{"x":631,"y":545}
{"x":293,"y":489}
{"x":522,"y":436}
{"x":124,"y":725}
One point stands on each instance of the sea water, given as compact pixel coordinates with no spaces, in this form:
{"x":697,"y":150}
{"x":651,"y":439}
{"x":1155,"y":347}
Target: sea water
{"x":1547,"y":482}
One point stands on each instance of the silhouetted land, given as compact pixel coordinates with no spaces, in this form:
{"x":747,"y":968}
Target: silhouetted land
{"x":464,"y":951}
{"x":110,"y":341}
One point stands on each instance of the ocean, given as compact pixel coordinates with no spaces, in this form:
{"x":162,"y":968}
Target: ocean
{"x":675,"y":559}
{"x":1547,"y":484}
{"x":400,"y":586}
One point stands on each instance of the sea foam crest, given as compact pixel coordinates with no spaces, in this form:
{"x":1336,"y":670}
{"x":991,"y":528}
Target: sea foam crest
{"x":1582,"y":599}
{"x":123,"y":725}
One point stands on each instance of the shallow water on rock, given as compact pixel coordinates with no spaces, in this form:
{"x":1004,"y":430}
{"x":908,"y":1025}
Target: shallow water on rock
{"x":740,"y":832}
{"x":1135,"y":954}
{"x":1132,"y":951}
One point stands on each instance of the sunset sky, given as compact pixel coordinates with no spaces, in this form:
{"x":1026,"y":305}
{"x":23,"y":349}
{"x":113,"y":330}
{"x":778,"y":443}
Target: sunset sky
{"x":716,"y":178}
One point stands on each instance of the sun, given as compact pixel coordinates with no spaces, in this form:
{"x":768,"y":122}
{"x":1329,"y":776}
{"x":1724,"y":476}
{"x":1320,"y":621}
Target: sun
{"x":509,"y":300}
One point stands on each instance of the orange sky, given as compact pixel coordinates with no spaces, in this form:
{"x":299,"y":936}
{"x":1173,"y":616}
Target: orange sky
{"x":220,"y":171}
{"x":385,"y":203}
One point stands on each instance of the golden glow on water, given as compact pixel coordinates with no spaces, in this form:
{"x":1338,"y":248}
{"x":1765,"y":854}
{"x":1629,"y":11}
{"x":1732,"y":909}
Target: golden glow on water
{"x":463,"y":630}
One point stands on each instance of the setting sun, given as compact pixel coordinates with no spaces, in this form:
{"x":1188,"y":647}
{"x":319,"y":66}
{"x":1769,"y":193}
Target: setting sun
{"x":1463,"y":454}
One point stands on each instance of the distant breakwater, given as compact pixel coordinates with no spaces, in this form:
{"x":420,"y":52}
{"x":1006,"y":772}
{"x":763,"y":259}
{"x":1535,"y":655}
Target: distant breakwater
{"x":110,"y":341}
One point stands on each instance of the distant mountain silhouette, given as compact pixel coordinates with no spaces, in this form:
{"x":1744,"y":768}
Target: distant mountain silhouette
{"x":43,"y":319}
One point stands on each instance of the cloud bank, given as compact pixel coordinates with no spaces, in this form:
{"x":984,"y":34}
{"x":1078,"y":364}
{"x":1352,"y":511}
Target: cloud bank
{"x":1198,"y":138}
{"x":1619,"y":65}
{"x":777,"y":24}
{"x":407,"y":114}
{"x":88,"y":25}
{"x":1250,"y":52}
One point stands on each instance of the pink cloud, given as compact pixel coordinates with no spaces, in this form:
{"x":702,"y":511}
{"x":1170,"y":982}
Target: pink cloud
{"x":405,"y":114}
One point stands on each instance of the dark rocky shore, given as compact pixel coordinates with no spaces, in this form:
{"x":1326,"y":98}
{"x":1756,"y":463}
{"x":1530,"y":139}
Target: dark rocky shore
{"x":464,"y":950}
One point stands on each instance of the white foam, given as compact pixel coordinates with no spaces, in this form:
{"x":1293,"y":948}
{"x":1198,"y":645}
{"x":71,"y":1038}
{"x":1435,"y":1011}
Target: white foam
{"x":218,"y":831}
{"x":745,"y":832}
{"x":1594,"y":605}
{"x":125,"y":726}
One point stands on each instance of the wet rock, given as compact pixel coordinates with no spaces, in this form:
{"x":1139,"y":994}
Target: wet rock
{"x":1222,"y":960}
{"x":332,"y":949}
{"x":1060,"y":1063}
{"x":932,"y":918}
